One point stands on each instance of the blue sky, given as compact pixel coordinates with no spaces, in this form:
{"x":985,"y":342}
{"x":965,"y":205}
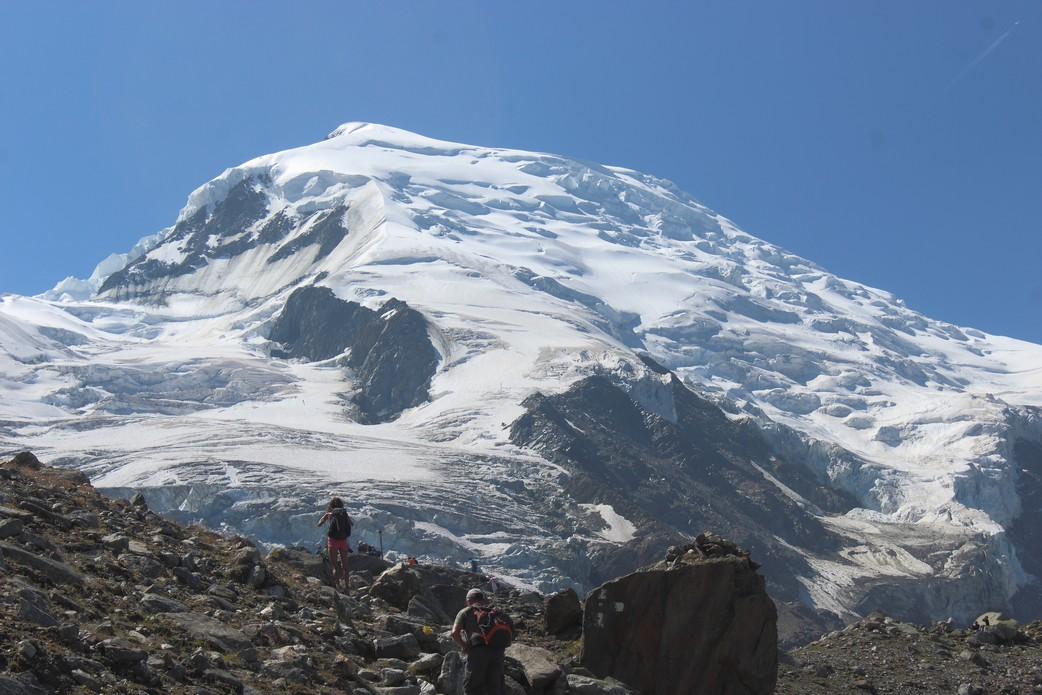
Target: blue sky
{"x":898,"y":144}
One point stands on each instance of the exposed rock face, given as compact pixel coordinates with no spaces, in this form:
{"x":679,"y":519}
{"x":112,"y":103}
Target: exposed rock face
{"x":227,"y":220}
{"x":679,"y":472}
{"x":390,"y":351}
{"x":694,"y":626}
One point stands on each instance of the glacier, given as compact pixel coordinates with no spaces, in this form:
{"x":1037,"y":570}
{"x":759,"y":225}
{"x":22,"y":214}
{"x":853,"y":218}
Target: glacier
{"x":533,"y":272}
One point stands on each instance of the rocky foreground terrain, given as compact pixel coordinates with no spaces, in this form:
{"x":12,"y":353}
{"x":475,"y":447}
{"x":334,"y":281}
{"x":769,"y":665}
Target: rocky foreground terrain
{"x":103,"y":595}
{"x":882,"y":655}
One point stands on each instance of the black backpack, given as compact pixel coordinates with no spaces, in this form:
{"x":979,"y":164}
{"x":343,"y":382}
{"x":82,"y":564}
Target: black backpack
{"x":495,"y":628}
{"x":339,"y":524}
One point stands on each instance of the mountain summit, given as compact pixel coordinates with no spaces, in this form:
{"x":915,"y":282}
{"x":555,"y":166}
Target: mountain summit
{"x":546,"y":364}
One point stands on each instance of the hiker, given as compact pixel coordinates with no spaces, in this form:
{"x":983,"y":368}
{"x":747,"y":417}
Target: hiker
{"x":336,"y":538}
{"x":482,"y":633}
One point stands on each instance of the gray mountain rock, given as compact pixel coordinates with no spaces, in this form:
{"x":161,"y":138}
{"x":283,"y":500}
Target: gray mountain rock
{"x":389,"y":350}
{"x":697,"y":626}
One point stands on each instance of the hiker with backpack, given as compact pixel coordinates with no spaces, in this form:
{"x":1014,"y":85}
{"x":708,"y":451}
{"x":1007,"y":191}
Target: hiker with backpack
{"x":336,"y":538}
{"x":483,"y":633}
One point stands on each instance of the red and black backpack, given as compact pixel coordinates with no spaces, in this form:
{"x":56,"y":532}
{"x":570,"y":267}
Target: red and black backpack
{"x":495,"y":628}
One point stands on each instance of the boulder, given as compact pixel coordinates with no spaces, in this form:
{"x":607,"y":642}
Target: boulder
{"x":981,"y":637}
{"x":428,"y":663}
{"x":400,"y":647}
{"x":695,"y":625}
{"x":33,"y":608}
{"x":88,"y":681}
{"x":160,"y":604}
{"x":22,"y":684}
{"x":398,"y":690}
{"x":142,"y":564}
{"x":26,"y":649}
{"x":12,"y":513}
{"x":562,"y":612}
{"x":223,"y":678}
{"x":246,"y":557}
{"x":448,"y":598}
{"x":1004,"y":630}
{"x":192,"y":580}
{"x":584,"y":685}
{"x":57,"y":572}
{"x":138,"y":548}
{"x":393,"y":676}
{"x":988,"y":619}
{"x":403,"y":624}
{"x":213,"y":632}
{"x":26,"y":459}
{"x":422,"y":609}
{"x":120,"y":652}
{"x":10,"y":527}
{"x":539,"y":664}
{"x":397,"y":586}
{"x":450,"y":680}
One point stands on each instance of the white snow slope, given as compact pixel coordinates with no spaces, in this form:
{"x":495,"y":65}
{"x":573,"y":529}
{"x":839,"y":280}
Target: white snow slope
{"x":533,"y":270}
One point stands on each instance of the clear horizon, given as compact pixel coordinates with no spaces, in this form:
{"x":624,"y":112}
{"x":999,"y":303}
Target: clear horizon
{"x":896,"y":146}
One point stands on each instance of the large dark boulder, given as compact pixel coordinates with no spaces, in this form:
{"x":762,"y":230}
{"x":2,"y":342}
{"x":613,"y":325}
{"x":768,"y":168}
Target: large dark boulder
{"x":26,"y":459}
{"x":697,"y":625}
{"x":562,"y":612}
{"x":397,"y":586}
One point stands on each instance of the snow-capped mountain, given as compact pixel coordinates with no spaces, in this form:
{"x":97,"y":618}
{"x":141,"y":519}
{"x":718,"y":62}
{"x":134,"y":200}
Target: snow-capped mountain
{"x":546,"y":364}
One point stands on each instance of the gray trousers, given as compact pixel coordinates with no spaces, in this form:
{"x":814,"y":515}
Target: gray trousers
{"x":484,"y":672}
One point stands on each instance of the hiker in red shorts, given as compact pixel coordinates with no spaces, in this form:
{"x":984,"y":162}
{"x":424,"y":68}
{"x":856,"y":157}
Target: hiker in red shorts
{"x":336,"y":538}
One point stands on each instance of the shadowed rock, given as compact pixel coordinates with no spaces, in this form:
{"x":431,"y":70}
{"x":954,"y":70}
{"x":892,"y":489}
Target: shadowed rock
{"x":700,"y":626}
{"x":57,"y":572}
{"x":684,"y":471}
{"x":562,"y":612}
